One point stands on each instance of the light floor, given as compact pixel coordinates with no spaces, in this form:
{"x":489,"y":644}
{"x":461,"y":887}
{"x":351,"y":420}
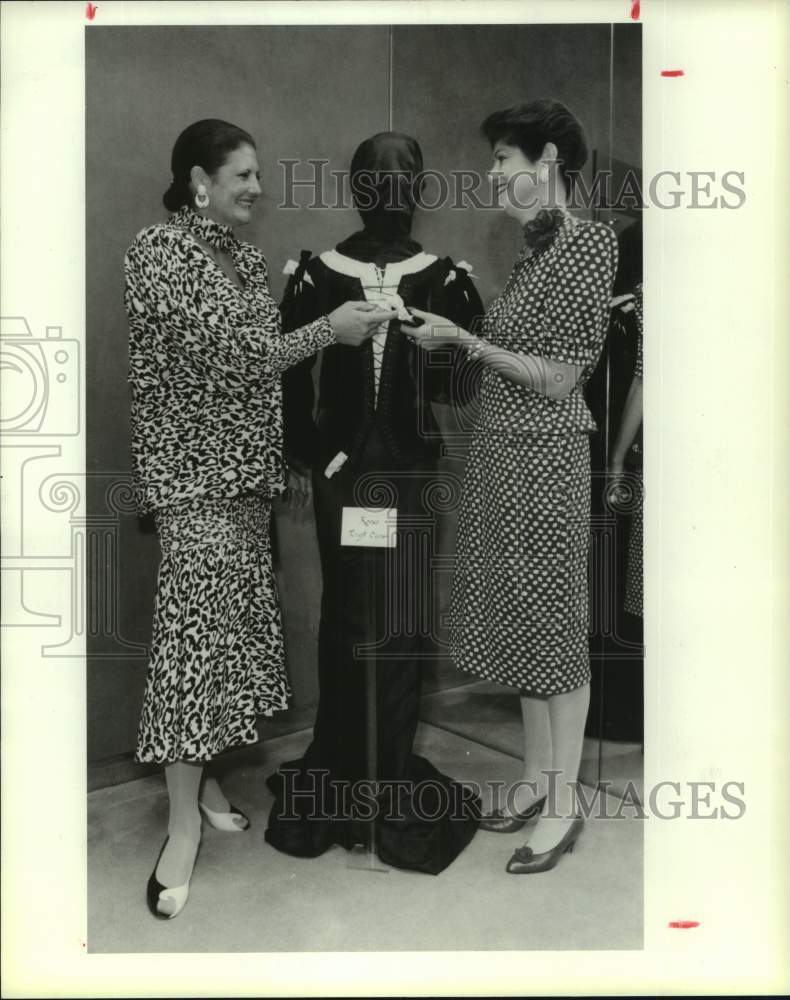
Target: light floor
{"x":247,"y":897}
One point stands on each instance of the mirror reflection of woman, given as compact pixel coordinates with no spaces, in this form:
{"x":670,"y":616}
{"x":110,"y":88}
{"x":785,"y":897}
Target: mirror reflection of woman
{"x":625,"y":462}
{"x":206,"y":353}
{"x":520,"y":590}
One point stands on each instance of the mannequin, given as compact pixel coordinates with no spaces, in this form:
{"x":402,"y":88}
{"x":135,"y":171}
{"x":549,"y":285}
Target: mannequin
{"x":375,"y":442}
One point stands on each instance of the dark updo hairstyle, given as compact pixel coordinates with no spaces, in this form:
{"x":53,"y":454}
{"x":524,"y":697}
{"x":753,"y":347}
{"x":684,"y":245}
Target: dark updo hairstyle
{"x":205,"y":144}
{"x":530,"y":126}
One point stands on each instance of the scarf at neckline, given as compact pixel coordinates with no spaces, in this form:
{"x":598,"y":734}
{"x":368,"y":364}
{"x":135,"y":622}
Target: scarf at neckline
{"x":540,"y":232}
{"x":219,"y":236}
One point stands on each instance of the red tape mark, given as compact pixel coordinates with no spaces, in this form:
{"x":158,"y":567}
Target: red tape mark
{"x":672,"y":72}
{"x":635,"y":10}
{"x":684,"y":924}
{"x":90,"y":11}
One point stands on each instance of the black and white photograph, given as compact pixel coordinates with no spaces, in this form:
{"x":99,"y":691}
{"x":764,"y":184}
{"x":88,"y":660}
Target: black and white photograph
{"x":344,"y":509}
{"x":383,"y":337}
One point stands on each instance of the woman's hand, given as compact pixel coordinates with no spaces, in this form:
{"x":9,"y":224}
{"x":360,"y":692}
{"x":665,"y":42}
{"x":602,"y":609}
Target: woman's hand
{"x":625,"y":303}
{"x":436,"y":331}
{"x":299,"y":491}
{"x":354,"y":322}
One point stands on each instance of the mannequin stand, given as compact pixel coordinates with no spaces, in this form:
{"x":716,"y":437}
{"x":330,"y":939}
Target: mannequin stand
{"x":365,"y":856}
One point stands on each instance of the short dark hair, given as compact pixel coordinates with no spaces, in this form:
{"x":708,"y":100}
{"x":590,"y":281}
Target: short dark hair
{"x":530,"y":126}
{"x":206,"y":144}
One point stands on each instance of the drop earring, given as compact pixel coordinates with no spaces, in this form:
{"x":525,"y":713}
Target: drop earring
{"x":201,"y":198}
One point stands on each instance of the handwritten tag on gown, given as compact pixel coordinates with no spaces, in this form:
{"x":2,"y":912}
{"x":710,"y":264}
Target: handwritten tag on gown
{"x":368,"y":527}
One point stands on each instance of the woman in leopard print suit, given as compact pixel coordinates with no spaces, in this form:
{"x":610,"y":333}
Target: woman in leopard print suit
{"x":206,"y":353}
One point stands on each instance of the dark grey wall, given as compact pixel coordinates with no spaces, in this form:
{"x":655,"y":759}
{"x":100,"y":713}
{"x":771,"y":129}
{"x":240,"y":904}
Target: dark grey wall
{"x":448,"y":79}
{"x":303,"y":93}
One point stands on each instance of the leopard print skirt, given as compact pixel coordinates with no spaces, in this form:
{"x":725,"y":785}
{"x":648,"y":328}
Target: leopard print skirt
{"x":216,"y":659}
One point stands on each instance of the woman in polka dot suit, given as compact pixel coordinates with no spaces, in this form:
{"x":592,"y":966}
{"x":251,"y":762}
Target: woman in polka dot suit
{"x":520,"y":591}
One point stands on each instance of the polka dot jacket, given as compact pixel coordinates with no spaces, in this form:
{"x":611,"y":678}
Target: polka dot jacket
{"x":205,"y":360}
{"x":640,"y":325}
{"x":555,"y":305}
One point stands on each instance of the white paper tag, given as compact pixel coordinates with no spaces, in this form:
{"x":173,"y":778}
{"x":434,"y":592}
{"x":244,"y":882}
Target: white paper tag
{"x":336,"y":464}
{"x":369,"y":527}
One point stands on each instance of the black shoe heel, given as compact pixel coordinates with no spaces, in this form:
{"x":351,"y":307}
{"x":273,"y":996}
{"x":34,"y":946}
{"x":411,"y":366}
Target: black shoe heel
{"x":497,"y":822}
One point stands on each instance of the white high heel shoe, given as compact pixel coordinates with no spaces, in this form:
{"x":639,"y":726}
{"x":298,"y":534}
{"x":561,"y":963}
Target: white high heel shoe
{"x":156,"y":893}
{"x":226,"y":820}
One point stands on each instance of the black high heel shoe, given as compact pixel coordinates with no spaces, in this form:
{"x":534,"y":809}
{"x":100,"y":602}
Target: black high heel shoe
{"x":156,"y":892}
{"x":525,"y":862}
{"x":498,"y":822}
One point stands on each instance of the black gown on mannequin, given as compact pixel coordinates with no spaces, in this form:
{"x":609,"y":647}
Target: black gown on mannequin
{"x":385,"y":427}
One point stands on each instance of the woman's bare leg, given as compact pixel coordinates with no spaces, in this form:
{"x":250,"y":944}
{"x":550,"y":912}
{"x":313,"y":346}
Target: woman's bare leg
{"x":183,"y":828}
{"x":211,"y":795}
{"x":567,"y":715}
{"x":537,"y":753}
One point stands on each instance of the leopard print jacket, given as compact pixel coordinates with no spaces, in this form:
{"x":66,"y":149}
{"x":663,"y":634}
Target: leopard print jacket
{"x":205,"y":362}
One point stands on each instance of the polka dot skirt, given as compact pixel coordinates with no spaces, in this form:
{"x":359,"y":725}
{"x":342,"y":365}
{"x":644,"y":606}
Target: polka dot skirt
{"x":519,"y":602}
{"x":634,"y":580}
{"x":635,"y":571}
